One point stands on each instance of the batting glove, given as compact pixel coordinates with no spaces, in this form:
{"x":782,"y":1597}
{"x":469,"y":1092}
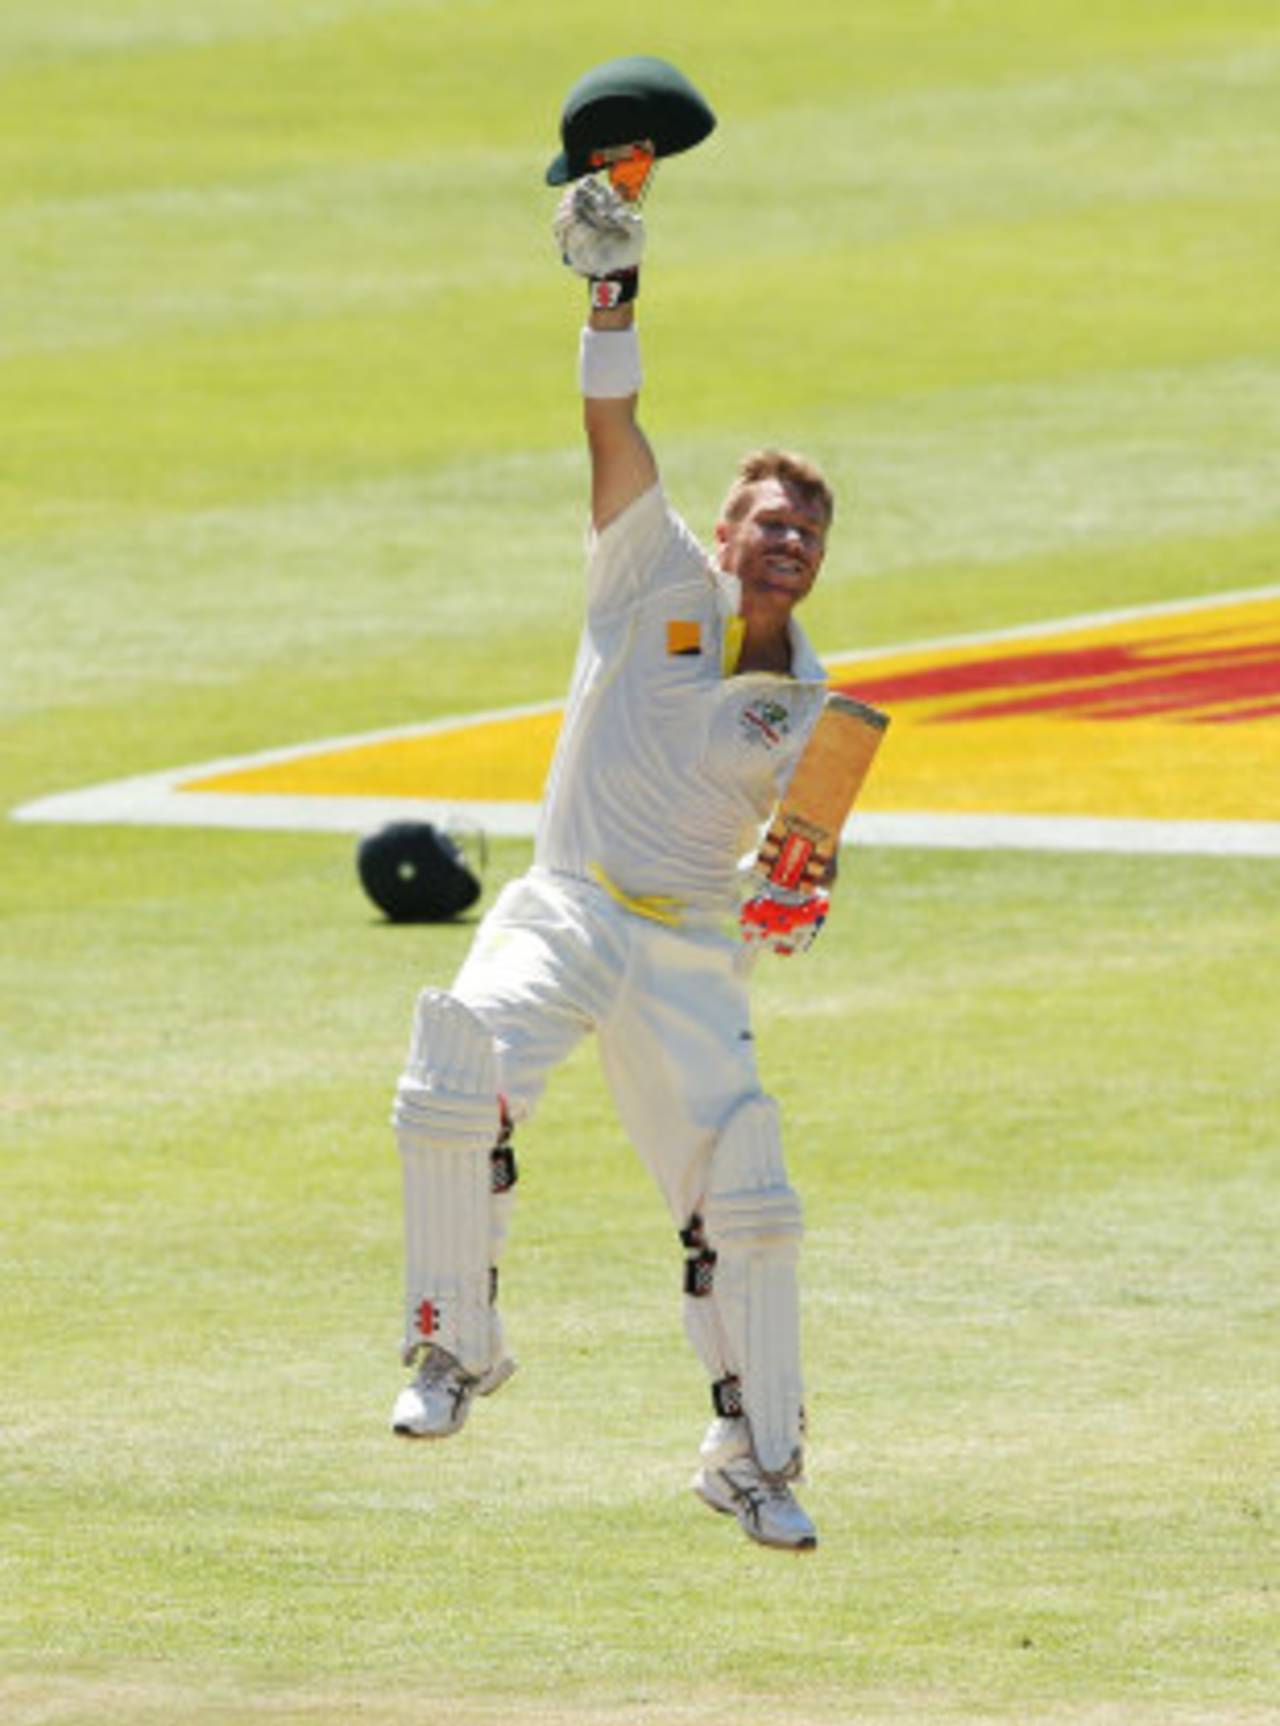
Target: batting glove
{"x":783,"y":921}
{"x":600,"y":235}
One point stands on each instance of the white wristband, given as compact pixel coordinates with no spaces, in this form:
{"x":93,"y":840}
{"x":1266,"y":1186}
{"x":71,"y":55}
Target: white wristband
{"x":609,"y":362}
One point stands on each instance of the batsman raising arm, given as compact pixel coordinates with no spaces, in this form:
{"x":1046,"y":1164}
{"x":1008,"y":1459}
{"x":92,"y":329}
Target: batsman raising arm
{"x":692,"y":697}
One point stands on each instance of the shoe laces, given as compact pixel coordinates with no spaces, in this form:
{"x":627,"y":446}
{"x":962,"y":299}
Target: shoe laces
{"x":430,"y":1363}
{"x":750,"y":1482}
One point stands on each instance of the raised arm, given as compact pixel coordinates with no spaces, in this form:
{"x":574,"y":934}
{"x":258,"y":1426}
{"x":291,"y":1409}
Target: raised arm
{"x":602,"y":238}
{"x":623,"y":467}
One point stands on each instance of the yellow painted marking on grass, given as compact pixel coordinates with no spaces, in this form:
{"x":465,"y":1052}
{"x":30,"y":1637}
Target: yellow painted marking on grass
{"x":497,"y":760}
{"x":1170,"y":714}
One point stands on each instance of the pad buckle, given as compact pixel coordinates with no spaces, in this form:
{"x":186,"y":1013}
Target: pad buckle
{"x":726,"y":1397}
{"x":503,"y":1173}
{"x":700,"y":1260}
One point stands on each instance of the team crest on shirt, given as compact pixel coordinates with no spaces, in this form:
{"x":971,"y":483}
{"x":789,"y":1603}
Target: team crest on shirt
{"x":765,"y":722}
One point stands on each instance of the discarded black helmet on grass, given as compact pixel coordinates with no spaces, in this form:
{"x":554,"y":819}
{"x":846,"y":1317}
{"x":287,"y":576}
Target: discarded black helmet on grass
{"x":414,"y":873}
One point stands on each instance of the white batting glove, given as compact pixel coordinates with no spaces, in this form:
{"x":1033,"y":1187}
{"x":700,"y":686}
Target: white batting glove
{"x":597,"y":231}
{"x":785,"y":922}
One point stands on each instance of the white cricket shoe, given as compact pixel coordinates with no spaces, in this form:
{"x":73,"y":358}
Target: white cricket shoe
{"x":437,"y":1400}
{"x":767,"y":1509}
{"x":732,"y":1482}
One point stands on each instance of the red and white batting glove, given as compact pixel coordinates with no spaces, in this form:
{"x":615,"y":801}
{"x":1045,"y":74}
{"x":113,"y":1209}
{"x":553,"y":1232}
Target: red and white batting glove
{"x":782,"y":920}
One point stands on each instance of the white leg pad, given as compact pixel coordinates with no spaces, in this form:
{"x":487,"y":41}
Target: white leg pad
{"x":754,"y":1224}
{"x":447,"y":1120}
{"x":706,"y":1336}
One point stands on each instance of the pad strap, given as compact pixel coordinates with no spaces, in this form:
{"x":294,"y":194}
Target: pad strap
{"x":726,"y":1397}
{"x":699,"y":1260}
{"x":503,"y":1171}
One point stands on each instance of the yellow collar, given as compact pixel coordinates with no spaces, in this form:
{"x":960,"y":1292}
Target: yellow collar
{"x":735,"y":630}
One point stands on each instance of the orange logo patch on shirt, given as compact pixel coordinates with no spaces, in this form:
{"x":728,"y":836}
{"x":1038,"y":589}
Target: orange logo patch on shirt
{"x":684,"y":637}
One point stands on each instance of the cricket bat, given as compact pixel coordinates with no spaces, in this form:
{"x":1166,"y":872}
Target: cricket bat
{"x":795,"y":854}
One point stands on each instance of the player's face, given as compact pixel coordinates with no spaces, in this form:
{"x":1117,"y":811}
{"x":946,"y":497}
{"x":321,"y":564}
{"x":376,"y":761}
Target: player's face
{"x":774,"y":548}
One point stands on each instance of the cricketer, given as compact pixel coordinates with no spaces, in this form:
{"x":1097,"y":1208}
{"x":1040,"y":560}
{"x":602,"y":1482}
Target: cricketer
{"x":691,"y":701}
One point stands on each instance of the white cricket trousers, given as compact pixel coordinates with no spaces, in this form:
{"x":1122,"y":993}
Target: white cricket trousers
{"x":557,"y":957}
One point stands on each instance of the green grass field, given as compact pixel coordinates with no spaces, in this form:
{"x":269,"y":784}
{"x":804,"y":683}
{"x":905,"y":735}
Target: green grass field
{"x":290,"y":450}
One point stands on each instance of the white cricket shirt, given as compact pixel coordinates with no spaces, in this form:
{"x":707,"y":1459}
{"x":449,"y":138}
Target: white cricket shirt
{"x":665,"y":768}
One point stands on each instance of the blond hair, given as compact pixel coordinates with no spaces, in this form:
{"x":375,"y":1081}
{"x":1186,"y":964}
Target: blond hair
{"x":796,"y":472}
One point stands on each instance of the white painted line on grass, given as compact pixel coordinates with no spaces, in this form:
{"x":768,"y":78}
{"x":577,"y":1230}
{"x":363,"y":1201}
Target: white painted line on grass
{"x":1069,"y":833}
{"x":158,"y":799}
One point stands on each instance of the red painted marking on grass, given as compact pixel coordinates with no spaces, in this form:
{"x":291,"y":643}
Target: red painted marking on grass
{"x":969,"y":676}
{"x":1242,"y":715}
{"x":1174,"y":678}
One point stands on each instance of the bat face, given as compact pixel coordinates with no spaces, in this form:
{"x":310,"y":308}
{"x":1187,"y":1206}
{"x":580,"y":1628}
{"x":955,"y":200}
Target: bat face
{"x":796,"y":852}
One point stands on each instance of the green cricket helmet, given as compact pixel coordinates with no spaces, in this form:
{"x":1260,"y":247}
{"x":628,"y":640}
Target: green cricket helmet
{"x":635,"y":100}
